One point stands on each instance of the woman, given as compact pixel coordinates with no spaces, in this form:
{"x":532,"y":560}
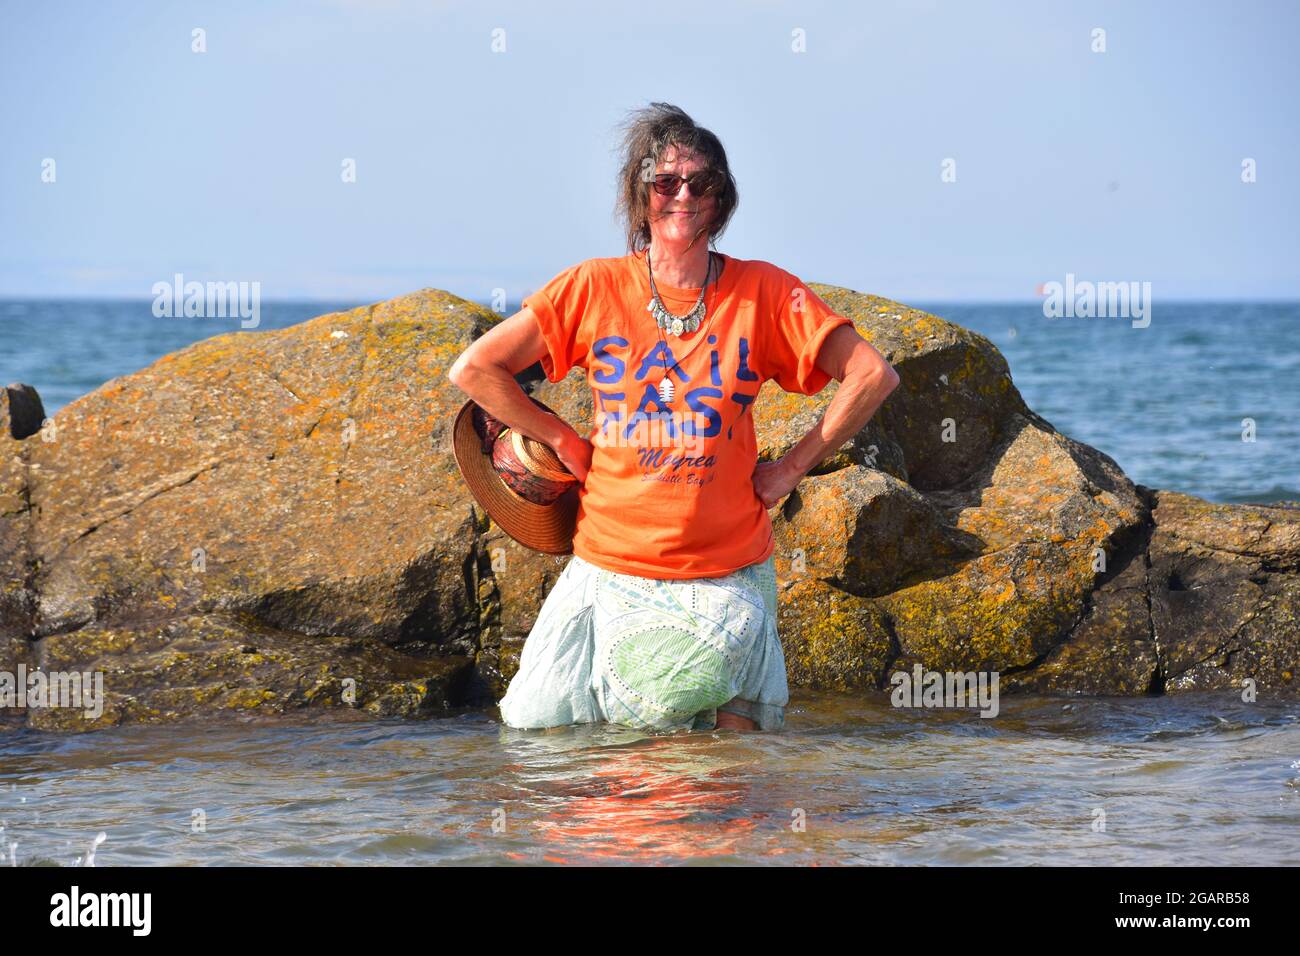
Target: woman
{"x":665,"y":617}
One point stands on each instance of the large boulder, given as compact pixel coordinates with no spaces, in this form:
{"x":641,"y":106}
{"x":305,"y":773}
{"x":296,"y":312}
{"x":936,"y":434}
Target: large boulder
{"x":292,"y":483}
{"x":269,"y":520}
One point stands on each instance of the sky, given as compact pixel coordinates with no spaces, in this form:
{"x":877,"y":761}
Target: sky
{"x":484,"y":138}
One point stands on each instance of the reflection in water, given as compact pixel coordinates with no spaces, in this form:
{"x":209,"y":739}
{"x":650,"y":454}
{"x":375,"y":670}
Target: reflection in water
{"x":1197,"y":779}
{"x":646,"y":798}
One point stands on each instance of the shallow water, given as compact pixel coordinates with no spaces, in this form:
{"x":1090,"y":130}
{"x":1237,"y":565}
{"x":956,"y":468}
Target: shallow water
{"x":1189,"y":779}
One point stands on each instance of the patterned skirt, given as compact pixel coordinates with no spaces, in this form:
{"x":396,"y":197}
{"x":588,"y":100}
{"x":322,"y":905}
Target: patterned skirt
{"x":652,"y":653}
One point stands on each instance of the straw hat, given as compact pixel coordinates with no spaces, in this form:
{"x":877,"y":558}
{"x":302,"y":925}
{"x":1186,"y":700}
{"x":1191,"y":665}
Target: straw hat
{"x":521,"y":483}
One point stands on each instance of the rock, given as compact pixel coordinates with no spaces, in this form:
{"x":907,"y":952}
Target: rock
{"x":246,"y":523}
{"x":1224,"y":591}
{"x":15,"y":653}
{"x":514,"y":581}
{"x":17,"y":563}
{"x":865,"y":531}
{"x":292,"y":475}
{"x":1037,"y":515}
{"x":211,"y":663}
{"x":1111,"y":650}
{"x":831,"y":639}
{"x":1207,"y":600}
{"x":293,"y":481}
{"x":21,"y":411}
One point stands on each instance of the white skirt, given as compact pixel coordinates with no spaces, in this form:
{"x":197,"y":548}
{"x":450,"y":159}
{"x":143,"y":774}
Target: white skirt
{"x":652,"y":653}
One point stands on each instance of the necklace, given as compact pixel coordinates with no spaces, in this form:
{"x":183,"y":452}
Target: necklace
{"x":676,"y":324}
{"x":665,"y":320}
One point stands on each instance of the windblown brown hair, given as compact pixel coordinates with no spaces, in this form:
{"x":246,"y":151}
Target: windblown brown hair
{"x":647,"y":135}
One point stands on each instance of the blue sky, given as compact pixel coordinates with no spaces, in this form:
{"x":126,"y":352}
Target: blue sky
{"x":478,"y":170}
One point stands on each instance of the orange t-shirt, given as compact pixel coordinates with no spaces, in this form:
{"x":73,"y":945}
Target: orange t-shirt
{"x":670,"y":493}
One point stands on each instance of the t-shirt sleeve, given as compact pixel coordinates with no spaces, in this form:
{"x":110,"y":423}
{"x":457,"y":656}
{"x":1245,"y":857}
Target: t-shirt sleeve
{"x":800,"y":322}
{"x":561,"y":307}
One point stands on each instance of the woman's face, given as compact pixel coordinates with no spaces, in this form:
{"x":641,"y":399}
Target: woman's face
{"x":675,"y":220}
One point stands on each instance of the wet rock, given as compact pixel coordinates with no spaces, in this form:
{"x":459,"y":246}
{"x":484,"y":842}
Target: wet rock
{"x":1224,"y":591}
{"x":1111,"y":651}
{"x":213,"y":663}
{"x":831,"y":639}
{"x":16,"y":656}
{"x":514,"y":582}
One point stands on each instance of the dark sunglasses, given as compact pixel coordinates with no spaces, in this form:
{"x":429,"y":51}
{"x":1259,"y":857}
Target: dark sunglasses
{"x":702,"y":183}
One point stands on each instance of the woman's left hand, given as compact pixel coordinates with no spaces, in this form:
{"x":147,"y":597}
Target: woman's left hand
{"x":773,"y":480}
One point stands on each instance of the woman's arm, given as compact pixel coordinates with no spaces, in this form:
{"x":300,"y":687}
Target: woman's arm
{"x":486,"y":371}
{"x":866,"y":380}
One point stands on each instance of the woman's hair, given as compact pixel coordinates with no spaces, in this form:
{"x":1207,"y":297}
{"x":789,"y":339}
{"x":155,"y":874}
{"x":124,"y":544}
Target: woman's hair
{"x":648,"y":134}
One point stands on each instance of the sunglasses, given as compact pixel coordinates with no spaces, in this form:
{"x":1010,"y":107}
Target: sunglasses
{"x":702,"y":183}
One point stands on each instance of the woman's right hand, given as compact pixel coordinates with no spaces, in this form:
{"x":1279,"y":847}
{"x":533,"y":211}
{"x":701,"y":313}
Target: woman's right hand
{"x":575,"y":452}
{"x":486,"y":372}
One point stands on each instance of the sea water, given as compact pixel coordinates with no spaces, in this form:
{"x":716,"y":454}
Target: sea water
{"x":1200,"y":778}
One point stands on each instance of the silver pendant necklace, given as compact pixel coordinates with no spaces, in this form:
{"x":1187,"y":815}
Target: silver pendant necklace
{"x":675,"y":324}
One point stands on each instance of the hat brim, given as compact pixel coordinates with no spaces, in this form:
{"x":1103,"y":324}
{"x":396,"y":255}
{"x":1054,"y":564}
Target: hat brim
{"x":545,"y":528}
